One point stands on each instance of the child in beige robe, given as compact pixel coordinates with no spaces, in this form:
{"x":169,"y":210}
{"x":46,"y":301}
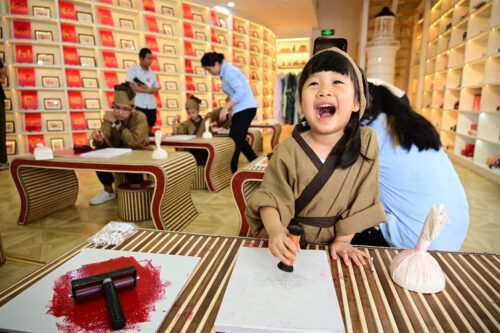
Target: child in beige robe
{"x":333,"y":97}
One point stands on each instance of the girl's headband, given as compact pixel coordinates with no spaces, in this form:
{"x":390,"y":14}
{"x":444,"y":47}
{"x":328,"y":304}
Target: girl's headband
{"x":359,"y":77}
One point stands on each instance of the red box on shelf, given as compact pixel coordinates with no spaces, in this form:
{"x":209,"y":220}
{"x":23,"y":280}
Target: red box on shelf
{"x":71,"y":56}
{"x":214,"y":102}
{"x":152,"y":44}
{"x":151,"y":23}
{"x":33,"y":122}
{"x":155,"y":65}
{"x":107,"y":38}
{"x":214,"y":37}
{"x":476,"y":102}
{"x":109,"y":59}
{"x":26,"y":77}
{"x":111,"y":79}
{"x":24,"y":54}
{"x":188,"y":49}
{"x":105,"y":16}
{"x":190,"y":84}
{"x":107,"y":1}
{"x":19,"y":7}
{"x":78,"y":121}
{"x":186,"y":11}
{"x":214,"y":19}
{"x":158,"y":101}
{"x":189,"y":67}
{"x":188,"y":30}
{"x":149,"y":5}
{"x":468,"y":151}
{"x":67,"y":10}
{"x":73,"y":78}
{"x":80,"y":138}
{"x":29,"y":100}
{"x":68,"y":33}
{"x":110,"y":96}
{"x":159,"y":122}
{"x":22,"y":29}
{"x":33,"y":139}
{"x":75,"y":100}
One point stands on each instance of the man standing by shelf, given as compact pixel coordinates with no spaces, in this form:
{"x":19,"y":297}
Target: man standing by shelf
{"x":143,"y":82}
{"x":4,"y":165}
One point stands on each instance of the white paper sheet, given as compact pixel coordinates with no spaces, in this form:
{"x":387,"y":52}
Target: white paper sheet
{"x":180,"y":137}
{"x":28,"y":311}
{"x":107,"y":152}
{"x":262,"y":298}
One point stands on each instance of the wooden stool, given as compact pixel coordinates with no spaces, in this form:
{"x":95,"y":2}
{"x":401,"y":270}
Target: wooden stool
{"x":199,"y":178}
{"x":2,"y":254}
{"x":134,"y":201}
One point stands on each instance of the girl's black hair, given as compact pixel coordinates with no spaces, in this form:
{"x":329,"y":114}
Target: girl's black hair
{"x":406,"y":126}
{"x":349,"y":146}
{"x":210,"y":58}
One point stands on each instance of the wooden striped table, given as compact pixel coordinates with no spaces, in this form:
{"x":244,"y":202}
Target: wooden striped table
{"x":244,"y":182}
{"x":369,"y":300}
{"x":217,"y":171}
{"x":274,"y":127}
{"x":48,"y":186}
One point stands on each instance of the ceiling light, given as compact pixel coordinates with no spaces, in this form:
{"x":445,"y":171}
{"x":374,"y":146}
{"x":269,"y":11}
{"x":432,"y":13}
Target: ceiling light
{"x":231,"y":4}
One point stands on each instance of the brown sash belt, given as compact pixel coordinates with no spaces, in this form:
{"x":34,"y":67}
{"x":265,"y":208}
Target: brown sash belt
{"x":319,"y":222}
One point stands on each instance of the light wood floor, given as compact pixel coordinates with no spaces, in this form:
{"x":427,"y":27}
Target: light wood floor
{"x":30,"y":246}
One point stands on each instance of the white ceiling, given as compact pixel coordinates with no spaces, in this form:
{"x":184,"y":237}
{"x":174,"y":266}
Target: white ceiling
{"x":281,"y":16}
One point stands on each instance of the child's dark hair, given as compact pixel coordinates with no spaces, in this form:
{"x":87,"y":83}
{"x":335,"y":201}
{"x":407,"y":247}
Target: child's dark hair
{"x":194,"y":98}
{"x":125,"y":86}
{"x":406,"y":126}
{"x":210,"y":58}
{"x":349,"y":146}
{"x":143,"y":52}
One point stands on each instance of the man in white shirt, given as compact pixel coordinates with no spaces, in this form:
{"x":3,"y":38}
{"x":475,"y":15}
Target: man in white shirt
{"x":143,"y":82}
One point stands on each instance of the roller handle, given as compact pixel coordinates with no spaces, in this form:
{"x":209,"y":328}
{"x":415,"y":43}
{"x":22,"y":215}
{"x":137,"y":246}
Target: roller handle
{"x":113,"y":303}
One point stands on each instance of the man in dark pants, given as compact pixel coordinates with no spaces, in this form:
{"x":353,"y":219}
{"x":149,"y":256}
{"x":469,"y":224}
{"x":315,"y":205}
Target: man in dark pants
{"x":4,"y":165}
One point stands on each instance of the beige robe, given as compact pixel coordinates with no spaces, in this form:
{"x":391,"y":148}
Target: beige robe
{"x":133,"y":134}
{"x":351,"y":193}
{"x":188,"y":127}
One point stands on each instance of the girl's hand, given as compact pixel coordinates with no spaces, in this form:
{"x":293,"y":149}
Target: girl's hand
{"x":347,"y":252}
{"x":281,"y":246}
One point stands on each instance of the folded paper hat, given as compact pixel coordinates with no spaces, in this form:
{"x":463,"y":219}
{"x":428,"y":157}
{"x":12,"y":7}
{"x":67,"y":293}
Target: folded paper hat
{"x":415,"y":269}
{"x":124,"y":94}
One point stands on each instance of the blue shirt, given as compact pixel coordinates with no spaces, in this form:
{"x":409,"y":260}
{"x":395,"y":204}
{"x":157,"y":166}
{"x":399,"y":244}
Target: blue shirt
{"x":236,"y":86}
{"x":410,"y":183}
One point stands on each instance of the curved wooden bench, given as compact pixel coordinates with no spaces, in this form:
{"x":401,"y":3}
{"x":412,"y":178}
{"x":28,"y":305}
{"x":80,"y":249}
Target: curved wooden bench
{"x":2,"y":254}
{"x":134,"y":201}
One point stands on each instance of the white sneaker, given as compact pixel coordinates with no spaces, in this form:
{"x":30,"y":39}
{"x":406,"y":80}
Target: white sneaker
{"x":101,"y":198}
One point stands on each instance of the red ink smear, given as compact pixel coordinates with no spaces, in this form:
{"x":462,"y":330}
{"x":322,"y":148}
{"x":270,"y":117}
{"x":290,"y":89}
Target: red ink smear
{"x":92,"y":315}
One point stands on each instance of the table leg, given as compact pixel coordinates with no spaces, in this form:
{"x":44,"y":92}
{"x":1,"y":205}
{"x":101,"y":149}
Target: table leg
{"x":44,"y":191}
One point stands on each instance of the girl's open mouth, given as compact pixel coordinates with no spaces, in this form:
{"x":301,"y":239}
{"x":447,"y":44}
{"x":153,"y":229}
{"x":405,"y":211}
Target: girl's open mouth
{"x":326,"y":110}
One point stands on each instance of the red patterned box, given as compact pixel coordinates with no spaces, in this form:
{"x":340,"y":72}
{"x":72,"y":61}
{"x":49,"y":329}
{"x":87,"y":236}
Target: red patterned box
{"x":149,"y":5}
{"x":33,"y":122}
{"x":22,"y":29}
{"x":78,"y":121}
{"x":152,"y":44}
{"x":190,"y":84}
{"x":188,"y":49}
{"x":214,"y":19}
{"x":186,"y":11}
{"x":158,"y":101}
{"x":159,"y":122}
{"x":189,"y":67}
{"x":73,"y":78}
{"x":80,"y":139}
{"x":188,"y":30}
{"x":111,"y":79}
{"x":71,"y":56}
{"x":33,"y":140}
{"x":24,"y":54}
{"x":110,"y":96}
{"x":213,"y":35}
{"x":26,"y":77}
{"x":107,"y":38}
{"x":67,"y":10}
{"x":155,"y":65}
{"x":151,"y":23}
{"x":75,"y":100}
{"x":105,"y":16}
{"x":19,"y":7}
{"x":109,"y":59}
{"x":29,"y":100}
{"x":68,"y":33}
